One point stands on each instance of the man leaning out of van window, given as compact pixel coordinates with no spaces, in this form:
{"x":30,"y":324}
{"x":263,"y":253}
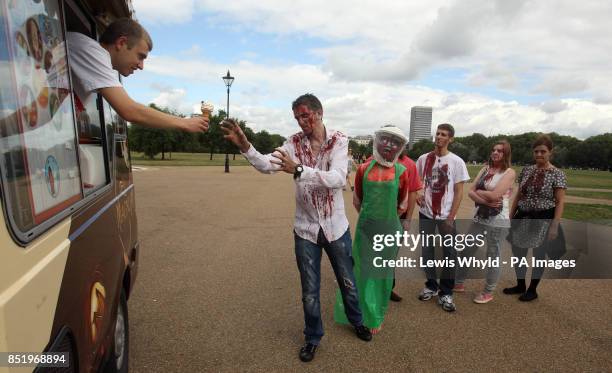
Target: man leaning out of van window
{"x":123,"y":47}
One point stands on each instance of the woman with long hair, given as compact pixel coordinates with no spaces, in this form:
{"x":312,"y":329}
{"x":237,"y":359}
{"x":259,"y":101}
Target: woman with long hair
{"x":491,"y":192}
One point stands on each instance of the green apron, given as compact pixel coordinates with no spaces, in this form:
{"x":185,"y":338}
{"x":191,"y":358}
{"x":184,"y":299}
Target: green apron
{"x":378,"y":215}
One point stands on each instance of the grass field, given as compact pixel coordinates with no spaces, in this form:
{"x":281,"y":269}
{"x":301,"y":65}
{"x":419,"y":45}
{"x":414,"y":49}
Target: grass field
{"x":590,"y":194}
{"x":601,"y":214}
{"x":187,"y":159}
{"x":575,"y":178}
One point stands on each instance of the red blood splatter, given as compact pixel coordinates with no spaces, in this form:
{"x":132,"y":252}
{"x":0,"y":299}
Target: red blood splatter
{"x":429,"y":162}
{"x":437,"y":186}
{"x":329,"y":204}
{"x":302,"y":151}
{"x":331,"y":143}
{"x":535,"y":182}
{"x":78,"y":104}
{"x":313,"y":198}
{"x":488,"y":177}
{"x":319,"y":197}
{"x":439,"y":190}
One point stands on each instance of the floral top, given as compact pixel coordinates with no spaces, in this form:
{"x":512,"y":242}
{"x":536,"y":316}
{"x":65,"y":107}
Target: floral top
{"x":538,"y":186}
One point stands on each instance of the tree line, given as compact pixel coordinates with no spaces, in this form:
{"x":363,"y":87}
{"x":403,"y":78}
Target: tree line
{"x":594,"y":152}
{"x":152,"y":141}
{"x":569,"y":152}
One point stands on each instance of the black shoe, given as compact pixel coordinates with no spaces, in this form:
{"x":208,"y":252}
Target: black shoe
{"x":363,"y":333}
{"x":352,"y":189}
{"x":528,"y":296}
{"x":515,"y":290}
{"x":307,"y":352}
{"x":395,"y":297}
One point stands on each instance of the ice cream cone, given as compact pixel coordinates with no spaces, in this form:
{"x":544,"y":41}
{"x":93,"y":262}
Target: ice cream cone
{"x":206,"y":108}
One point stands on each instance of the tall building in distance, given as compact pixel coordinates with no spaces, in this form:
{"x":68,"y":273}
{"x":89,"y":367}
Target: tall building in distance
{"x":420,"y":124}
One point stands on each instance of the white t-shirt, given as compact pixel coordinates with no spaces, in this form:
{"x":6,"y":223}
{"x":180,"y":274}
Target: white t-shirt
{"x":90,"y":65}
{"x":439,"y":175}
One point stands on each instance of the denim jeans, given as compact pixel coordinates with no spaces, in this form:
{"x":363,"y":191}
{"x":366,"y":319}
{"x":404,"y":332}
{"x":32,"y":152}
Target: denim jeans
{"x":447,"y":278}
{"x":308,"y":257}
{"x":494,"y":235}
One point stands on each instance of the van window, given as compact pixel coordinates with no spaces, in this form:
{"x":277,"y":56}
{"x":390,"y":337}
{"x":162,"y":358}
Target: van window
{"x":38,"y":144}
{"x":90,"y":117}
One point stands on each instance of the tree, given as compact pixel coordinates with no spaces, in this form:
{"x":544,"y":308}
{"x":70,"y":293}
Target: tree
{"x":596,"y":151}
{"x":212,"y":139}
{"x":421,"y":147}
{"x":353,"y":147}
{"x":277,"y":140}
{"x":461,"y":150}
{"x":152,"y":141}
{"x":477,"y":147}
{"x":263,"y":142}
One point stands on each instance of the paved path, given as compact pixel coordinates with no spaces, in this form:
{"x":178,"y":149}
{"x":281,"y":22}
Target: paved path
{"x":591,"y":189}
{"x":595,"y":201}
{"x":218,"y":290}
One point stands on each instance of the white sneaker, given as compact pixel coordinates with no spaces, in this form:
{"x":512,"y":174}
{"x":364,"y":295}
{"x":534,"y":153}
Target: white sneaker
{"x":446,"y":301}
{"x":426,"y":294}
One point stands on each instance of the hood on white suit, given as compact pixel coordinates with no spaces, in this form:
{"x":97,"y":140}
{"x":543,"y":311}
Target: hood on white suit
{"x":391,"y":131}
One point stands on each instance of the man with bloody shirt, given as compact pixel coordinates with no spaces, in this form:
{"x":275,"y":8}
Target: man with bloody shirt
{"x":443,"y":174}
{"x":316,"y":157}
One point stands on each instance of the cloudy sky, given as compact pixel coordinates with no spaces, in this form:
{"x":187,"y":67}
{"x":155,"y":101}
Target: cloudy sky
{"x":484,"y":66}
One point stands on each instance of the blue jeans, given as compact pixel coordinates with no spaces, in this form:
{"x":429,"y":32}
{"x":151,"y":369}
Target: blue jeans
{"x":308,"y":257}
{"x":447,"y":278}
{"x":494,"y":242}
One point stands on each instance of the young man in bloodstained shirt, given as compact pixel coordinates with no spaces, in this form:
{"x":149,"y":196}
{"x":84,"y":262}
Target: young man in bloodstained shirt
{"x":316,"y":157}
{"x":443,"y":174}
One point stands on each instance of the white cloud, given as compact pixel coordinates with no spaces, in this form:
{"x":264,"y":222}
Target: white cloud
{"x":558,"y":84}
{"x":553,"y":106}
{"x":175,"y":99}
{"x":501,"y":76}
{"x":163,"y":11}
{"x":361,"y":107}
{"x":374,"y":50}
{"x":532,"y":40}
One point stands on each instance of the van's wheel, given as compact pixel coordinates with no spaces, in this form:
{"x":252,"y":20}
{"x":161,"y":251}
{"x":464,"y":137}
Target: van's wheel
{"x":118,"y":360}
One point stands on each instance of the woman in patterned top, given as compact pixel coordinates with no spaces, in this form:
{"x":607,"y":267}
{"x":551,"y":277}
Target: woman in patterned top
{"x":536,"y":212}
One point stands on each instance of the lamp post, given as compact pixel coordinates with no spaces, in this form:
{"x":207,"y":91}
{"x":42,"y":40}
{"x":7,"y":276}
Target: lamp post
{"x":228,"y":80}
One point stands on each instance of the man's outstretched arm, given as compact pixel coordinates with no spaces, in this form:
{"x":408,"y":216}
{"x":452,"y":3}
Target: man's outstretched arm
{"x":135,"y":112}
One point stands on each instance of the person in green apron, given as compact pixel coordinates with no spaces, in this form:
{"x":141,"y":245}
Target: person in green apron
{"x":380,"y":186}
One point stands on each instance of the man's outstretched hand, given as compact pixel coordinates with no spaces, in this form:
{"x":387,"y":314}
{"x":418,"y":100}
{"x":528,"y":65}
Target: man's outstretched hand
{"x":234,"y":133}
{"x":195,"y":124}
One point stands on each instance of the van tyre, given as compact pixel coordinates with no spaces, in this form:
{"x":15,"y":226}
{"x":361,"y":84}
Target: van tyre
{"x":118,"y":359}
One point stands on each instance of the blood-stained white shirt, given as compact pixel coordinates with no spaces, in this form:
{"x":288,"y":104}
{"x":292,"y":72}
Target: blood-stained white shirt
{"x":439,"y":175}
{"x":318,"y":191}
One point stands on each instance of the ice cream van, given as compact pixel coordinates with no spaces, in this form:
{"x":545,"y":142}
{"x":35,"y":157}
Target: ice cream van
{"x":68,"y":230}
